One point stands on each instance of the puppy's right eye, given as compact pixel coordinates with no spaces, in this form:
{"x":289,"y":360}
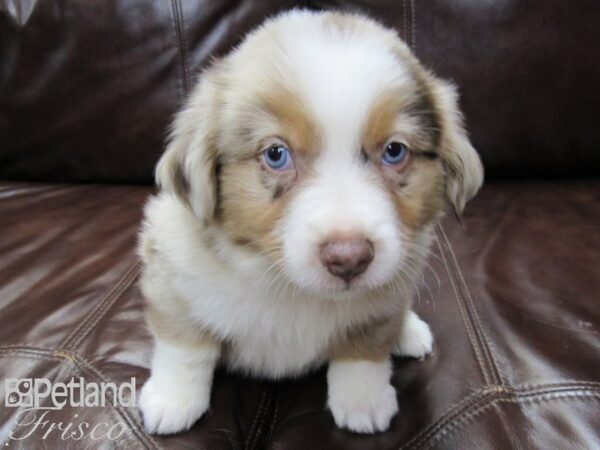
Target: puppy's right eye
{"x":278,"y":157}
{"x":395,"y":154}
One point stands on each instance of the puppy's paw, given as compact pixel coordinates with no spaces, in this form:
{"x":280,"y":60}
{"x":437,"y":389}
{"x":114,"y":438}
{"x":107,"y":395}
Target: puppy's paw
{"x":416,"y":340}
{"x":365,"y":412}
{"x":168,"y":408}
{"x":361,"y":397}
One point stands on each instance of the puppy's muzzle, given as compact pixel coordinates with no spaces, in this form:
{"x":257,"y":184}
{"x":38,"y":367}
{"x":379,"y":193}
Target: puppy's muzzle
{"x":346,"y":258}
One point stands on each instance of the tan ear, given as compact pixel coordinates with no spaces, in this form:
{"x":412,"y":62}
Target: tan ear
{"x":463,"y":165}
{"x":188,"y":166}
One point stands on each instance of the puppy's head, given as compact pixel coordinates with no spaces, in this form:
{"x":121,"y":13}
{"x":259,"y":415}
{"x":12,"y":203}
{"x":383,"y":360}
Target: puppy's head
{"x":321,"y":150}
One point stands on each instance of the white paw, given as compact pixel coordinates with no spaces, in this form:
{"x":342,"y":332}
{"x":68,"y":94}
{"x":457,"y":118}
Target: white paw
{"x":365,"y":413}
{"x":361,"y":398}
{"x":169,"y":409}
{"x":416,"y":340}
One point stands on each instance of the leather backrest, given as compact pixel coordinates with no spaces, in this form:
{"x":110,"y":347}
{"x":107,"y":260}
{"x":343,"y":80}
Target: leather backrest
{"x":88,"y":88}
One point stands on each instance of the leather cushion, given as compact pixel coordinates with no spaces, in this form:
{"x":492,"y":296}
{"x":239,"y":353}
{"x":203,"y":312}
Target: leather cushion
{"x":88,"y":89}
{"x":510,"y":295}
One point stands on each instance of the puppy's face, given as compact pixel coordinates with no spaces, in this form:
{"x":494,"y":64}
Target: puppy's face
{"x":321,"y":151}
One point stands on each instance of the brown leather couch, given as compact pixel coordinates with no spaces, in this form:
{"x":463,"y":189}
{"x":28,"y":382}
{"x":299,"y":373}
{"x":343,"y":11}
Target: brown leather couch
{"x":87,"y":90}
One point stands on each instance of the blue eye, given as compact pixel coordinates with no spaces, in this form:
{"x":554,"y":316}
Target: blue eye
{"x":395,"y":153}
{"x":278,"y":157}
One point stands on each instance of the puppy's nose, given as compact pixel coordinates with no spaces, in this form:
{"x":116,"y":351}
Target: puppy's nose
{"x":346,"y":258}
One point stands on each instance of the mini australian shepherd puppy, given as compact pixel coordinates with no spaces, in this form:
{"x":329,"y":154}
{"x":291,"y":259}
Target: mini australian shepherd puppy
{"x":298,"y":196}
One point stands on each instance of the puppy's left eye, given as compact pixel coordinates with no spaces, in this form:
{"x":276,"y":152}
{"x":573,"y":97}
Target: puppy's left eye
{"x":395,"y":154}
{"x":278,"y":157}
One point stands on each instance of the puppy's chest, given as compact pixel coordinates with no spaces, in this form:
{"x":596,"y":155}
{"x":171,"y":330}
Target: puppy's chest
{"x":270,"y":337}
{"x":282,"y":341}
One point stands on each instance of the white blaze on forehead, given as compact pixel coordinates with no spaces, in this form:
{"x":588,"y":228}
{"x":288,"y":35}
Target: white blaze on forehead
{"x":339,"y":74}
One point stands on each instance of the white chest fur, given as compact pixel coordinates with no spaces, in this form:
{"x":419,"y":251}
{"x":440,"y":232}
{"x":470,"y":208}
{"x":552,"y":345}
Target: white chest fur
{"x":274,"y":335}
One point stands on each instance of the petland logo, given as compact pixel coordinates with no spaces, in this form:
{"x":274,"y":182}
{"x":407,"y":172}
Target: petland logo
{"x":38,"y":398}
{"x":33,"y":392}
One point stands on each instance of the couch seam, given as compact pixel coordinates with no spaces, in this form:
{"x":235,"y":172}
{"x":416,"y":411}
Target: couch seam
{"x":258,"y":418}
{"x":472,"y":404}
{"x":413,"y":30}
{"x":405,"y":22}
{"x":491,"y":401}
{"x":75,"y":338}
{"x":84,"y":367}
{"x":487,"y":346}
{"x":464,"y":314}
{"x":275,"y":414}
{"x":265,"y":415}
{"x":181,"y":41}
{"x":446,"y":420}
{"x":408,"y":17}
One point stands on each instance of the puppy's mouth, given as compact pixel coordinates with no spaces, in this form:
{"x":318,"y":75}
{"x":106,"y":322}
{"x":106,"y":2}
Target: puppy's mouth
{"x":333,"y":285}
{"x":349,"y":285}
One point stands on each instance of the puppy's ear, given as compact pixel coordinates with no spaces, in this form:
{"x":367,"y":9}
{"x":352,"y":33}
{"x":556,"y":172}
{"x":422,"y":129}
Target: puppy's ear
{"x":188,"y":166}
{"x":462,"y":163}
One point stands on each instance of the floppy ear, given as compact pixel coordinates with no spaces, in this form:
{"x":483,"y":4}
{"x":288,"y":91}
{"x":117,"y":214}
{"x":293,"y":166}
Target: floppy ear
{"x":463,"y":166}
{"x":188,"y":166}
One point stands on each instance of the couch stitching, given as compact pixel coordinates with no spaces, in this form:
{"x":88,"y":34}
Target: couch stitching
{"x":490,"y":402}
{"x":250,"y":439}
{"x":275,"y":413}
{"x":84,"y":367}
{"x":5,"y":354}
{"x":66,"y":343}
{"x":404,"y":22}
{"x":265,"y":415}
{"x":92,"y":319}
{"x":260,"y":406}
{"x":448,"y":417}
{"x":62,"y":356}
{"x":184,"y":48}
{"x":464,"y":314}
{"x":413,"y":31}
{"x":178,"y":49}
{"x":477,"y":318}
{"x":477,"y":322}
{"x":180,"y":37}
{"x":408,"y":22}
{"x":7,"y":348}
{"x":474,"y":401}
{"x":108,"y":304}
{"x":445,"y":417}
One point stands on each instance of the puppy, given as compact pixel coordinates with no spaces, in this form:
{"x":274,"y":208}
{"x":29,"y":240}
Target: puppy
{"x":297,"y":201}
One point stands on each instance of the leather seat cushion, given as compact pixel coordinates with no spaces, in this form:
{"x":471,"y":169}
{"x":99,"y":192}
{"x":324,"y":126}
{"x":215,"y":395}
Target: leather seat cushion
{"x":510,"y":294}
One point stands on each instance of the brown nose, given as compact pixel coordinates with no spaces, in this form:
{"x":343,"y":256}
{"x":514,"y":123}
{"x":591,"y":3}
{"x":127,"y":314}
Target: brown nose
{"x":346,"y":258}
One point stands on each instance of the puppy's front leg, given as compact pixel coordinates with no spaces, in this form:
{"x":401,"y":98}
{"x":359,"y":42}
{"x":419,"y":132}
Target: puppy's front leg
{"x":178,"y":391}
{"x":360,"y":395}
